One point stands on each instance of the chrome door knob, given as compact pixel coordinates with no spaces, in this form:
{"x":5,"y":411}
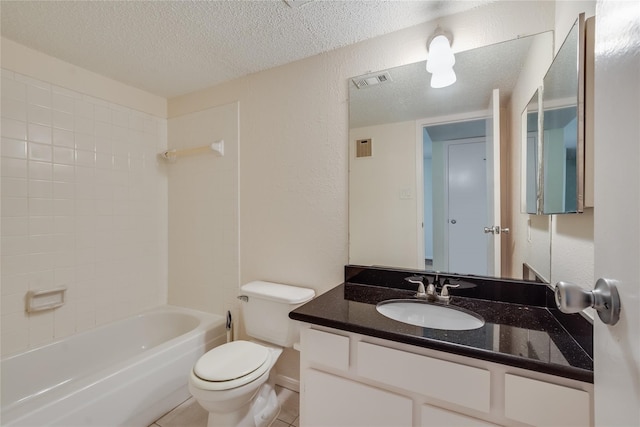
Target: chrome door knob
{"x":496,"y":229}
{"x":604,"y":298}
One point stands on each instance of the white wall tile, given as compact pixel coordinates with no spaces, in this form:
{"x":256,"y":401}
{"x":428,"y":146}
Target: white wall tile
{"x":85,"y":158}
{"x":40,"y":225}
{"x":15,"y":245}
{"x":15,"y":226}
{"x":40,"y":170}
{"x":15,"y":187}
{"x":40,"y":207}
{"x":15,"y":168}
{"x":63,"y":224}
{"x":40,"y":152}
{"x":83,"y":125}
{"x":40,"y":115}
{"x":64,"y":173}
{"x":14,"y":342}
{"x":62,"y":102}
{"x":14,"y":148}
{"x":15,"y":206}
{"x":39,"y":96}
{"x":64,"y":155}
{"x":12,"y":303}
{"x":15,"y":129}
{"x":14,"y":322}
{"x":62,"y":120}
{"x":85,"y":142}
{"x":14,"y":109}
{"x":33,"y":82}
{"x":39,"y":188}
{"x":68,"y":206}
{"x":39,"y":133}
{"x":63,"y":138}
{"x":14,"y":89}
{"x":41,"y":243}
{"x":63,"y":207}
{"x":14,"y":264}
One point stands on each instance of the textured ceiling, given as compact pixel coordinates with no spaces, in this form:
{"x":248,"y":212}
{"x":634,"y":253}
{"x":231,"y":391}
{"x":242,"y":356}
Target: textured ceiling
{"x":170,"y":48}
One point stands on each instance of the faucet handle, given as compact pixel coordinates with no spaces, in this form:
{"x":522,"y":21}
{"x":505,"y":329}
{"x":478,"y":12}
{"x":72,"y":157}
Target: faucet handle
{"x":445,"y":289}
{"x":415,"y":279}
{"x":418,"y":281}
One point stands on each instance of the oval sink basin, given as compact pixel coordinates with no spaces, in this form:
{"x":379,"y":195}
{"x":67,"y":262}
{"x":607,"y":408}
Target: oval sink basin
{"x":427,"y":315}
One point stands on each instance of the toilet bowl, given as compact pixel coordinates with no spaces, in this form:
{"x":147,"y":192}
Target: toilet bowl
{"x":234,"y":382}
{"x":227,"y":379}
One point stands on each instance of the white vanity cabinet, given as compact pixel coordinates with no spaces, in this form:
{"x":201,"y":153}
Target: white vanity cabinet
{"x":352,"y":380}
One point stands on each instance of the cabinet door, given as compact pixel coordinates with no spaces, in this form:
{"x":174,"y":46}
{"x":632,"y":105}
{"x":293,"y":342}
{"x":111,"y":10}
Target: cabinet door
{"x":438,"y":417}
{"x":339,"y":402}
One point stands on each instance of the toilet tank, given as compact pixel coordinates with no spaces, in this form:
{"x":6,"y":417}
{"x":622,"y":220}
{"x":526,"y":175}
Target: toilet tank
{"x":266,"y":311}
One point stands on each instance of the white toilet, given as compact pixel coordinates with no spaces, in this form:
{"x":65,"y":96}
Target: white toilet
{"x":230,"y":381}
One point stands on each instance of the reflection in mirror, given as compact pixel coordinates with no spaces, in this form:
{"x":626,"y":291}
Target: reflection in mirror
{"x":403,"y":135}
{"x":563,"y":138}
{"x":530,"y":120}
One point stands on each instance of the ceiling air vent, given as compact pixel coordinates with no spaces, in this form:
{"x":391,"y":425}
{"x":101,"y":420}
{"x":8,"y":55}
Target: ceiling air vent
{"x":371,"y":79}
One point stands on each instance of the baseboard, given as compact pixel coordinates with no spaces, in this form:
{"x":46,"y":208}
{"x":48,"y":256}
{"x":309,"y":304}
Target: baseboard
{"x":288,"y":382}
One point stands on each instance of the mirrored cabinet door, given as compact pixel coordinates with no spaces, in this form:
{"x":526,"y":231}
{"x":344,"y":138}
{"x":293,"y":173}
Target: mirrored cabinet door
{"x":553,"y":140}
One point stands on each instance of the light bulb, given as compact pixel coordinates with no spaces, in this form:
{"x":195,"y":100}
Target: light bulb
{"x":443,"y":78}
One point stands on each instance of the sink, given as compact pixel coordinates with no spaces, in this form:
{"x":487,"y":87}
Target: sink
{"x":428,"y":315}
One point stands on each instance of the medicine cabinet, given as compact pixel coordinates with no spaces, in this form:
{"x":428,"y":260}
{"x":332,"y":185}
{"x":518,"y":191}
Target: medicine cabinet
{"x":554,"y":132}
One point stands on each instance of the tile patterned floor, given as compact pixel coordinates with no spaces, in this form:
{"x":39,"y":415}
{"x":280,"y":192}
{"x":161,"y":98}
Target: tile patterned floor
{"x":190,"y":414}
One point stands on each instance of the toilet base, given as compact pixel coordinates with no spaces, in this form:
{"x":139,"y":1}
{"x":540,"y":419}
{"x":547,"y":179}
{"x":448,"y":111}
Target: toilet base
{"x":262,"y":411}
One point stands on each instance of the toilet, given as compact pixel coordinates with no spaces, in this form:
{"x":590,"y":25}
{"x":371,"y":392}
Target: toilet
{"x":231,"y":381}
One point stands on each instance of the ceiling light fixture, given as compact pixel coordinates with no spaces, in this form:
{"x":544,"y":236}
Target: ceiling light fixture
{"x":440,"y":59}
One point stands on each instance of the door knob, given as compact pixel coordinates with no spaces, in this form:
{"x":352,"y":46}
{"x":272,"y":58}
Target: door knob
{"x":604,"y":298}
{"x":496,"y":230}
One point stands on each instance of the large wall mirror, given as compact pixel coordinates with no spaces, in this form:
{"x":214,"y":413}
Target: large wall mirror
{"x":558,"y":155}
{"x":423,"y":181}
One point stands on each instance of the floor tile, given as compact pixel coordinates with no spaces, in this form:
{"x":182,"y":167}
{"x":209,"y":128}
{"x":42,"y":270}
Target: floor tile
{"x":187,"y":414}
{"x":290,"y":402}
{"x":191,"y":414}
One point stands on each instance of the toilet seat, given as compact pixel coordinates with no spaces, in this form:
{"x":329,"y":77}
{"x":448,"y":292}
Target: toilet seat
{"x":231,"y":365}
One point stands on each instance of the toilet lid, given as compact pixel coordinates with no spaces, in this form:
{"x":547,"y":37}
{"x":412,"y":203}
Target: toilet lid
{"x":230,"y":361}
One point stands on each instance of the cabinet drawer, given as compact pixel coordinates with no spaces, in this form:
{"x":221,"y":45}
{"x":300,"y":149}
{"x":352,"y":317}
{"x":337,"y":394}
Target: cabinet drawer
{"x":326,"y":349}
{"x":543,"y":404}
{"x":338,"y":402}
{"x":437,"y":417}
{"x":448,"y":381}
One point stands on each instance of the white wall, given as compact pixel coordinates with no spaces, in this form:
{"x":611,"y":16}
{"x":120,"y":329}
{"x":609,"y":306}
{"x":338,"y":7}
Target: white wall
{"x":83,"y":198}
{"x":203,"y":212}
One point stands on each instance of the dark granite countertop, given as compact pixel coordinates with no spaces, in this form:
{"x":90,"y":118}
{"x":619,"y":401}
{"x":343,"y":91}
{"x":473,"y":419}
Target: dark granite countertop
{"x":534,"y":337}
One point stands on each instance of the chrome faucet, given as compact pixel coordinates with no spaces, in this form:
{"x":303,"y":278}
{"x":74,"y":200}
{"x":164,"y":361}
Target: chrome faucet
{"x":431,"y":292}
{"x":418,"y":281}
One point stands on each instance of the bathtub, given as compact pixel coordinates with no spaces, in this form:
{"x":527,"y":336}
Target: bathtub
{"x":126,"y":373}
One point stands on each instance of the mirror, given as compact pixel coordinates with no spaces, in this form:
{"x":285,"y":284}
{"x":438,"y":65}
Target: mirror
{"x":554,"y":141}
{"x":563,"y":123}
{"x":398,"y":127}
{"x":531,"y":118}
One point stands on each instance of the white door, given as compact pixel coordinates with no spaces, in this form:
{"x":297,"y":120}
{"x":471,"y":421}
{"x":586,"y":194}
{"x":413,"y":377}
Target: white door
{"x":467,"y":207}
{"x":493,"y":183}
{"x":617,"y":209}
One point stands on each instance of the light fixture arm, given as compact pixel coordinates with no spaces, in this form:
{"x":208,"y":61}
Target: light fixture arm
{"x":440,"y":32}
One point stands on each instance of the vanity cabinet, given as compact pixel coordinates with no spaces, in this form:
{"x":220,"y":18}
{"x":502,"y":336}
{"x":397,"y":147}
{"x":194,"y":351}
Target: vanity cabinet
{"x":349,"y":379}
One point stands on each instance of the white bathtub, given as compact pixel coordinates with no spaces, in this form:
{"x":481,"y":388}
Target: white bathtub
{"x":126,"y":373}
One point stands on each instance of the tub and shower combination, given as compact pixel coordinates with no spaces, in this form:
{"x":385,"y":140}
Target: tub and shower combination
{"x":128,"y":372}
